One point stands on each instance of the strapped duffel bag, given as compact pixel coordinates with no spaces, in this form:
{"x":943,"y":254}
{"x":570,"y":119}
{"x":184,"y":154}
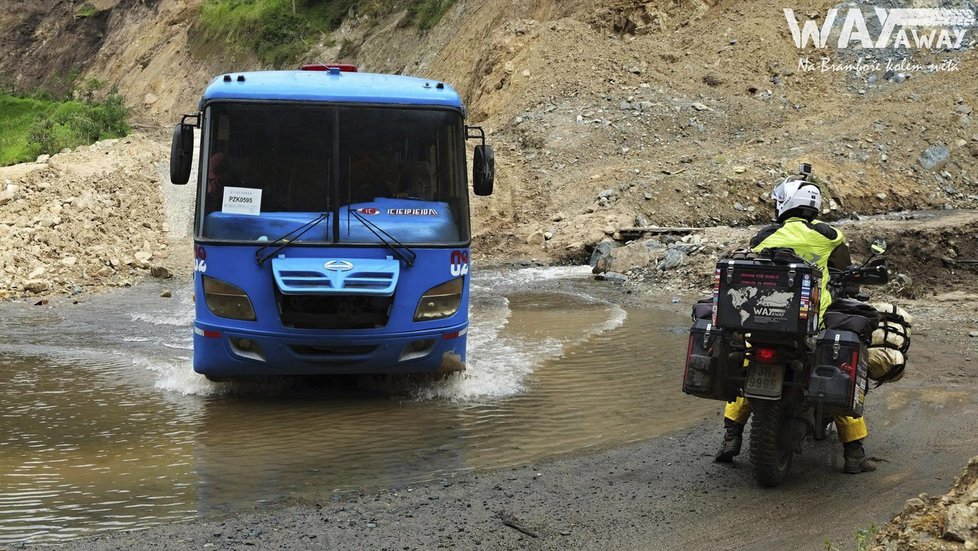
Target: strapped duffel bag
{"x":890,"y":344}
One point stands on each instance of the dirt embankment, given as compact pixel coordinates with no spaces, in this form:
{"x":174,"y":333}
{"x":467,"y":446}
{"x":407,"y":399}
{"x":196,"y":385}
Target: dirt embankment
{"x":603,"y":112}
{"x":944,"y":523}
{"x":85,"y":220}
{"x":929,"y":253}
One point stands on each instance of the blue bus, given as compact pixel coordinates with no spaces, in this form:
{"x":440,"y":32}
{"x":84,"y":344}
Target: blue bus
{"x":331,"y":232}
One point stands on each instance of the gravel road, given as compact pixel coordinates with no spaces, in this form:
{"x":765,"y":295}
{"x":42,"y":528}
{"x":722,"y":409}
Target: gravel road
{"x":664,"y":493}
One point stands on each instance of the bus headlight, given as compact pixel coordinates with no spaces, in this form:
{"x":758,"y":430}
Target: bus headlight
{"x":440,"y":302}
{"x":227,"y":301}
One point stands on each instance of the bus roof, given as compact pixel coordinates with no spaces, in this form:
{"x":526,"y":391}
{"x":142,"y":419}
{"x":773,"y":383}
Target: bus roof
{"x":332,"y":86}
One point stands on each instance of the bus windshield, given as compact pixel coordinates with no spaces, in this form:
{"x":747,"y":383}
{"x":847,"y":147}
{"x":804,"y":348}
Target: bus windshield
{"x":269,"y":169}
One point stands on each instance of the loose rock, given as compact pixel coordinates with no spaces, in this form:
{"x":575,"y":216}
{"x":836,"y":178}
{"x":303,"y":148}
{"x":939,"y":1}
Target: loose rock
{"x":673,"y":259}
{"x":36,"y":285}
{"x":934,"y":156}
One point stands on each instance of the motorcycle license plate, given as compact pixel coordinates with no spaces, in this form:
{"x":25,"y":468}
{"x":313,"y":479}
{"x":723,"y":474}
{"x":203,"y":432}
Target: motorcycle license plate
{"x":764,"y":381}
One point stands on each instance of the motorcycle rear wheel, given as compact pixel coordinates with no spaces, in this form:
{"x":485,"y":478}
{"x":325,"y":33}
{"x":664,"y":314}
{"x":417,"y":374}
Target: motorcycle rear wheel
{"x":770,"y":449}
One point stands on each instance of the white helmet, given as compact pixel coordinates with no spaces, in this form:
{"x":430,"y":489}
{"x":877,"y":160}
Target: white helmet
{"x":794,"y":197}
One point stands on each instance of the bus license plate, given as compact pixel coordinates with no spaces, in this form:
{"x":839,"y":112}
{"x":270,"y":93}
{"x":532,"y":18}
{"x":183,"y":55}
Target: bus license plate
{"x":764,"y":381}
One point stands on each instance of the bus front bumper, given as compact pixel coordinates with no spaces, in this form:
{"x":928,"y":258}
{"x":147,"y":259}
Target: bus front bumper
{"x":228,"y":353}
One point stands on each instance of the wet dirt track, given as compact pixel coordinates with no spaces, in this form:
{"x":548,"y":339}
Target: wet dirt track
{"x":107,"y":427}
{"x":570,"y":487}
{"x":663,"y":493}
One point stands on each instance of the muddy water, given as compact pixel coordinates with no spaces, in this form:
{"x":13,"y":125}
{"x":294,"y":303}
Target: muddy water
{"x":105,"y":425}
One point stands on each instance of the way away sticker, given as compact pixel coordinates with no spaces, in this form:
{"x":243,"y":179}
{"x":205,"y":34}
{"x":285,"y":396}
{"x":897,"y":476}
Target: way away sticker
{"x":242,"y":200}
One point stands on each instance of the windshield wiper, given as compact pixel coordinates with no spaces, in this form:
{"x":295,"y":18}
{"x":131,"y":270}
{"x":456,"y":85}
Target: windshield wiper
{"x":410,"y":255}
{"x":282,"y":242}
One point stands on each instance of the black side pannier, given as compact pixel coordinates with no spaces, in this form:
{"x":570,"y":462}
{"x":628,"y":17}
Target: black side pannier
{"x":761,"y":295}
{"x":852,"y":315}
{"x":708,"y":359}
{"x":703,"y":309}
{"x":840,"y":379}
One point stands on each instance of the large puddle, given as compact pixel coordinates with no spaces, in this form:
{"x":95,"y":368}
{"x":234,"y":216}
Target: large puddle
{"x":105,"y":425}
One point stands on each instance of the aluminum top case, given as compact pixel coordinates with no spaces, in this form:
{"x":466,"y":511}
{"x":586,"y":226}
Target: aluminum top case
{"x":761,"y":296}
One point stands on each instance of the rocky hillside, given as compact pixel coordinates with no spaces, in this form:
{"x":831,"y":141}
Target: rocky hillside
{"x":83,"y":220}
{"x":945,"y":523}
{"x":601,"y":111}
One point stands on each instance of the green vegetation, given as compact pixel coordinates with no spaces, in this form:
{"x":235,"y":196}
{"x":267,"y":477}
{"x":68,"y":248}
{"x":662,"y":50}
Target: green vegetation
{"x":347,"y":49}
{"x":38,"y":125}
{"x":279,"y":31}
{"x":18,"y":115}
{"x":86,"y":10}
{"x":864,"y":539}
{"x":425,"y":14}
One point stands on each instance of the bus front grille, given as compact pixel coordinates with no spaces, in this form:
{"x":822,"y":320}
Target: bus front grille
{"x":334,"y":312}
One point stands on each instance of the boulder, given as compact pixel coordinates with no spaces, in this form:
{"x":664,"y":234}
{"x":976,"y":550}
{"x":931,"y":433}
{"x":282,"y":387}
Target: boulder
{"x":36,"y":285}
{"x":934,"y":157}
{"x":536,"y":238}
{"x":654,"y":245}
{"x":674,"y":258}
{"x":623,"y":259}
{"x":613,"y":277}
{"x":962,"y":523}
{"x":601,"y":250}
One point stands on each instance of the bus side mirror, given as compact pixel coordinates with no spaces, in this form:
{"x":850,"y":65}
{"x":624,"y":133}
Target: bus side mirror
{"x":483,"y":169}
{"x":181,"y":154}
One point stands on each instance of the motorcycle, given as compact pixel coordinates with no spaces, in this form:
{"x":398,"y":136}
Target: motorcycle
{"x":760,"y":337}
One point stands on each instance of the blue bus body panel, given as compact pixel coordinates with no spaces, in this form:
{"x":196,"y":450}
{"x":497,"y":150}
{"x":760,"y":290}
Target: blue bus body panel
{"x":399,"y":346}
{"x":409,"y":221}
{"x":323,"y":86}
{"x":270,"y":346}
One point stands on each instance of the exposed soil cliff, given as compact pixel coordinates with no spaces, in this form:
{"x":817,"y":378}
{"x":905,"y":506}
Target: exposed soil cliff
{"x":601,"y":111}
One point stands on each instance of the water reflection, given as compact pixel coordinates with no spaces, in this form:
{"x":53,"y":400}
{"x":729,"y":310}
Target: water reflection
{"x":309,"y":443}
{"x":105,"y":425}
{"x":605,"y":389}
{"x":76,"y":458}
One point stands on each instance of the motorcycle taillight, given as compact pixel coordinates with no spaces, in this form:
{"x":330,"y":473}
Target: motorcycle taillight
{"x":766,"y":355}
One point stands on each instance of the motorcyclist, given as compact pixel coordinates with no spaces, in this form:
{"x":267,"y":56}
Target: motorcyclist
{"x":797,"y":203}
